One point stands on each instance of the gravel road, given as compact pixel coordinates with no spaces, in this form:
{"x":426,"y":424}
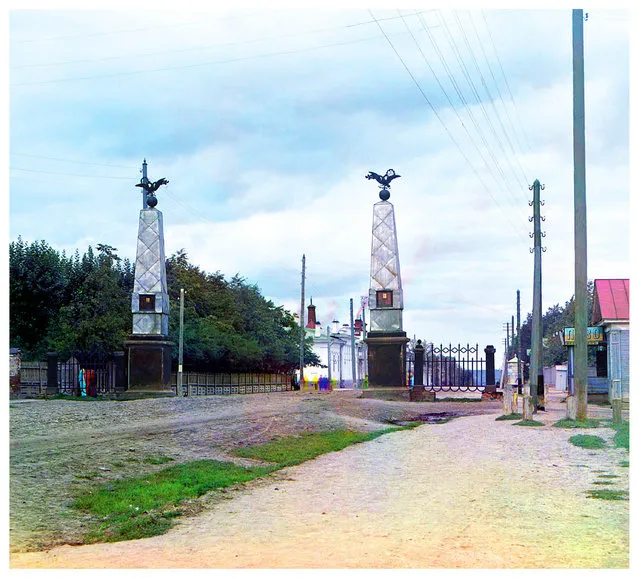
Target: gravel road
{"x":470,"y":493}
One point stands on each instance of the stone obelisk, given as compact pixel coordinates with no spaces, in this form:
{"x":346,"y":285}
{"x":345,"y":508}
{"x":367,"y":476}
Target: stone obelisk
{"x":149,"y":350}
{"x":386,"y":339}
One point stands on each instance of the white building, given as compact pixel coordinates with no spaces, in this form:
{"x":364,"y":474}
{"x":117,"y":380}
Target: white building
{"x":335,"y":350}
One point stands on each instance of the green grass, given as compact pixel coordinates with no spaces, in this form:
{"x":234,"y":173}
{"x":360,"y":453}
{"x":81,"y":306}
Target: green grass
{"x":603,"y":483}
{"x":622,"y":437}
{"x":142,"y":507}
{"x":571,"y":423}
{"x":157,"y":460}
{"x":588,"y":442}
{"x":624,"y":464}
{"x":76,"y":397}
{"x":608,"y":494}
{"x":133,"y":508}
{"x":529,"y":423}
{"x":509,"y":416}
{"x":291,"y":451}
{"x":608,"y":476}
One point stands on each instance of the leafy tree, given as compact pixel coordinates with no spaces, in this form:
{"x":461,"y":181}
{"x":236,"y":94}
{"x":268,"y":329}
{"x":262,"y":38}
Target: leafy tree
{"x":37,"y":289}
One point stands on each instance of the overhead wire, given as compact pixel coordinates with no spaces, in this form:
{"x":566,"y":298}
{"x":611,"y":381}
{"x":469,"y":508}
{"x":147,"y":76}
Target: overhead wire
{"x":501,"y":183}
{"x":445,"y":127}
{"x":501,"y":67}
{"x":201,"y":48}
{"x":499,"y":92}
{"x":479,"y":102}
{"x":523,"y":183}
{"x":192,"y":65}
{"x":453,"y":107}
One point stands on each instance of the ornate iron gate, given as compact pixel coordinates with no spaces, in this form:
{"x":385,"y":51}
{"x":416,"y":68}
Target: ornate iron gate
{"x":454,"y":368}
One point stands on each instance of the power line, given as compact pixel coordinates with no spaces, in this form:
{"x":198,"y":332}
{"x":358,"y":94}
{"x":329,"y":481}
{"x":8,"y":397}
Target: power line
{"x":69,"y":174}
{"x":72,"y":161}
{"x":486,"y":163}
{"x":200,"y":48}
{"x":499,"y":92}
{"x":199,"y":64}
{"x":124,"y":31}
{"x":443,"y":124}
{"x":491,"y":100}
{"x":500,"y":183}
{"x":478,"y":101}
{"x":506,"y":80}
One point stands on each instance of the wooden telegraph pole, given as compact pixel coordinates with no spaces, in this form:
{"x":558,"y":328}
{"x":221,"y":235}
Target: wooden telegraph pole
{"x":581,"y":251}
{"x":302,"y":329}
{"x":536,"y":374}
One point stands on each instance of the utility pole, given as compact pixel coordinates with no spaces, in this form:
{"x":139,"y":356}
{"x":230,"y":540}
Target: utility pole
{"x":520,"y":354}
{"x":353,"y":361}
{"x":302,"y":329}
{"x":581,"y":250}
{"x":181,"y":344}
{"x":536,"y":375}
{"x":328,"y":352}
{"x":364,"y":300}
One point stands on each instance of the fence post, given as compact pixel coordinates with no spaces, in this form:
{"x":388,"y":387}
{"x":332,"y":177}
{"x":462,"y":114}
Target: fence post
{"x":490,"y":364}
{"x":120,"y":375}
{"x":52,"y":373}
{"x":418,"y":370}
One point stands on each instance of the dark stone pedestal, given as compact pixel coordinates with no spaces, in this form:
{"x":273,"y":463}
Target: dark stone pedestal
{"x":386,"y":358}
{"x":149,"y":365}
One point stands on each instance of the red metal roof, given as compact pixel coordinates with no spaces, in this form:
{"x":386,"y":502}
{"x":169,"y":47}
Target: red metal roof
{"x":612,"y":300}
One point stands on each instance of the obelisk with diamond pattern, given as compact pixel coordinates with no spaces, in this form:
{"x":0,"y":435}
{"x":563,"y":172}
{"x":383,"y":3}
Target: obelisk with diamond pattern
{"x":149,"y":350}
{"x":150,"y":300}
{"x":386,"y":339}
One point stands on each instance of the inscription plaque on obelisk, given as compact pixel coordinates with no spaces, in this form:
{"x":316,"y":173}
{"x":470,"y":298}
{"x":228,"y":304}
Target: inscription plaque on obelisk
{"x":386,"y":339}
{"x":149,"y":350}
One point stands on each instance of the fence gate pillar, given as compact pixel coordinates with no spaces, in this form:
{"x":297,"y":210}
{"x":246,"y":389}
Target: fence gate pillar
{"x":418,"y":370}
{"x":490,"y":364}
{"x":52,"y":373}
{"x":120,"y":375}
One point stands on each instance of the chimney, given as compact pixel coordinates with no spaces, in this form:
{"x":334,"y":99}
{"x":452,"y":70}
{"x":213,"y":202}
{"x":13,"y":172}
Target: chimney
{"x":311,"y":316}
{"x":335,"y":326}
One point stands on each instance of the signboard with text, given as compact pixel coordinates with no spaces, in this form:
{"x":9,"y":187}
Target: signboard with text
{"x":594,"y":337}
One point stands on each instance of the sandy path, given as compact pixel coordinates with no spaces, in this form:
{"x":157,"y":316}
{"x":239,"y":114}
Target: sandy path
{"x":471,"y":493}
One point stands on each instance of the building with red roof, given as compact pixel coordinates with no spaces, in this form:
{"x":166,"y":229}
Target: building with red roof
{"x":611,"y":311}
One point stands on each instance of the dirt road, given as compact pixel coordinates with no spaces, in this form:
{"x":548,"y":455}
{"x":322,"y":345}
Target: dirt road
{"x":470,"y":493}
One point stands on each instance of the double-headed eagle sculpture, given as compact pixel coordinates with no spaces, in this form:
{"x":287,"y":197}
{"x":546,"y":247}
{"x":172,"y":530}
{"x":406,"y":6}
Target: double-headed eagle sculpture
{"x":385,"y":180}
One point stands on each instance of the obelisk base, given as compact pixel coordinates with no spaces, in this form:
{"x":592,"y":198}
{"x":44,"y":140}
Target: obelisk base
{"x":386,"y":358}
{"x":149,"y":366}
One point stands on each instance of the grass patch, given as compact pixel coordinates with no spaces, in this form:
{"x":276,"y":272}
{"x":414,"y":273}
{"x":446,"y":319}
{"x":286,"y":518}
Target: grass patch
{"x":608,"y":494}
{"x":157,"y":460}
{"x":142,"y":507}
{"x":529,"y":423}
{"x":294,"y":450}
{"x":509,"y":416}
{"x":624,"y":464}
{"x":588,"y":442}
{"x":608,"y":476}
{"x":622,"y":437}
{"x":572,"y":423}
{"x":603,"y":483}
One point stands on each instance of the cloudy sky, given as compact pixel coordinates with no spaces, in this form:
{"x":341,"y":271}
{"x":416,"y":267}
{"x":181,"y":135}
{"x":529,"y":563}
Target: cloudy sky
{"x":265,"y":123}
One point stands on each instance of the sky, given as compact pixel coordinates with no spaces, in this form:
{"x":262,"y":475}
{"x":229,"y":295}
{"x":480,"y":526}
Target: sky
{"x":265,"y":123}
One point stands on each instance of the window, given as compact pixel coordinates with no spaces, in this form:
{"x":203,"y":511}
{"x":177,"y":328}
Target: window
{"x":384,"y":299}
{"x":147,"y":302}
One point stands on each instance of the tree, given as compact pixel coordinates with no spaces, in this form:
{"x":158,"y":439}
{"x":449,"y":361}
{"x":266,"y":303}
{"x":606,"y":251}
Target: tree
{"x":37,"y":289}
